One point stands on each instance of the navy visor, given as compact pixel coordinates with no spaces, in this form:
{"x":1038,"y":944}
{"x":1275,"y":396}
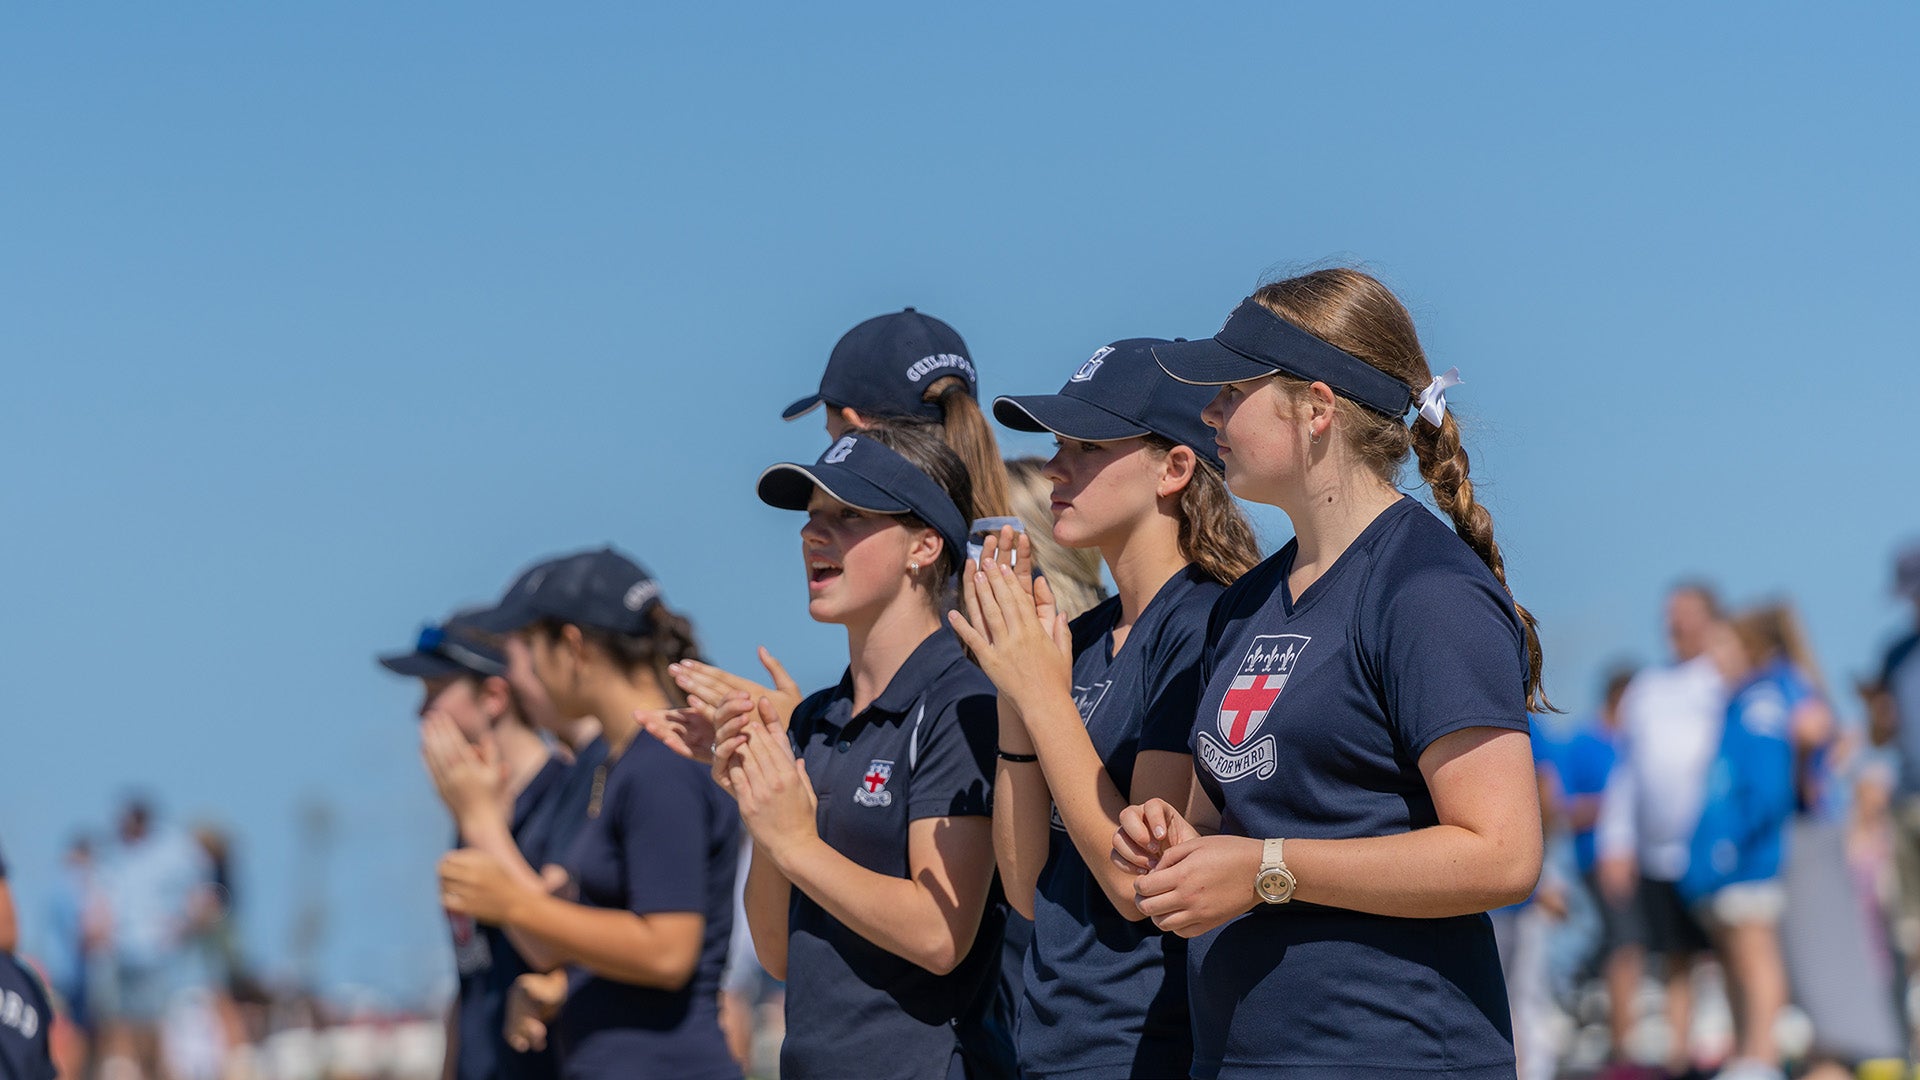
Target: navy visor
{"x":1256,"y":343}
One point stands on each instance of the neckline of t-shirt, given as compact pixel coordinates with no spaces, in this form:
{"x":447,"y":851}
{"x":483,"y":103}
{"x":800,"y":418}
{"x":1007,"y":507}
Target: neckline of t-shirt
{"x":1186,"y":575}
{"x":1364,"y":542}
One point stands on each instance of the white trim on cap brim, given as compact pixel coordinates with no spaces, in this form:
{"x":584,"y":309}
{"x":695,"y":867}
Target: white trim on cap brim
{"x":788,"y":466}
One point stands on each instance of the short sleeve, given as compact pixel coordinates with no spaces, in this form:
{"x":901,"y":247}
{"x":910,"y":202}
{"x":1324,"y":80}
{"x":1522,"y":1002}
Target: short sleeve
{"x":1449,"y":651}
{"x":663,"y":844}
{"x":953,"y":771}
{"x":1174,"y":684}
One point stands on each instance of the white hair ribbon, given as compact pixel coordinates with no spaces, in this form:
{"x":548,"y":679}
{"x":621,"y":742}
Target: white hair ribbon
{"x":1433,"y":400}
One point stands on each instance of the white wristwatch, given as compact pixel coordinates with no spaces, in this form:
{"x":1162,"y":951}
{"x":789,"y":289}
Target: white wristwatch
{"x":1275,"y":883}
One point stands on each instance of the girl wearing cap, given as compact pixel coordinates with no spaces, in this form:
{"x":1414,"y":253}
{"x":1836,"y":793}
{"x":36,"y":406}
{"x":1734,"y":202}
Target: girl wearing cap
{"x":654,"y":862}
{"x":1099,"y":713}
{"x":1367,"y":790}
{"x":909,"y":368}
{"x":495,"y":775}
{"x":871,"y":888}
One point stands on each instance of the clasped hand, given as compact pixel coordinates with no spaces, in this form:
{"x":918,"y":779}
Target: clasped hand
{"x":1187,"y":883}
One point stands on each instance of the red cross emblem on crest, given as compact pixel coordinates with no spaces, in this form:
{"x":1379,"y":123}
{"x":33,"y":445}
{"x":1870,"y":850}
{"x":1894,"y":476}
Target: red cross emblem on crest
{"x":1263,"y":673}
{"x":877,"y":776}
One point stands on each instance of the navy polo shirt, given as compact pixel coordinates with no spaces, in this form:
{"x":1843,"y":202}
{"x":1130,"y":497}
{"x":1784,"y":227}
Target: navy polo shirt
{"x":923,"y":749}
{"x":665,"y":839}
{"x":488,"y":963}
{"x":1105,"y":996}
{"x":1314,"y":717}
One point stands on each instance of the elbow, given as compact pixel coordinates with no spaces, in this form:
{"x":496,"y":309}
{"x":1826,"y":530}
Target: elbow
{"x":1513,"y":879}
{"x":941,"y":952}
{"x":674,"y":968}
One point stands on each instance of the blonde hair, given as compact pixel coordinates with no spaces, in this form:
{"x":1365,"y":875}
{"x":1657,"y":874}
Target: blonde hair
{"x":1073,"y":573}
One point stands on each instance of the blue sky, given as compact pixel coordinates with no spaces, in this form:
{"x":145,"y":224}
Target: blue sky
{"x":318,"y":320}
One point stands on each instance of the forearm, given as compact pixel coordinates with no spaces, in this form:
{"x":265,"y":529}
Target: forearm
{"x":1430,"y":873}
{"x":901,"y":915}
{"x":450,"y":1064}
{"x":642,"y":950}
{"x":1022,"y":815}
{"x":768,"y":900}
{"x":493,"y":837}
{"x":1088,"y":800}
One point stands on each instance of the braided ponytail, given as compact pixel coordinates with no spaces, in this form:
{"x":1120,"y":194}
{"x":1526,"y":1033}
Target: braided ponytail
{"x":1444,"y":465}
{"x":1354,"y":312}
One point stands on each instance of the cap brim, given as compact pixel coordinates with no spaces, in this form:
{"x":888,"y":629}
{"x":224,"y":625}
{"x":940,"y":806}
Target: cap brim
{"x":504,"y":619}
{"x":1067,"y":417}
{"x":418,"y":665}
{"x":1208,"y":363}
{"x":788,"y":486}
{"x":802,"y":407}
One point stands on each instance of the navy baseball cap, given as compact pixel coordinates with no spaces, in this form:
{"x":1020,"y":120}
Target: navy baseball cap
{"x":444,"y":650}
{"x":602,"y":588}
{"x":1256,"y":343}
{"x":1120,"y":392}
{"x":884,"y":365}
{"x":867,"y":474}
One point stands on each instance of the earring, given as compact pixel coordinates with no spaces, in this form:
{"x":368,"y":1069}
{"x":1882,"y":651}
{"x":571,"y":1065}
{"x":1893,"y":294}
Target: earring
{"x":913,"y":568}
{"x":1312,"y":435}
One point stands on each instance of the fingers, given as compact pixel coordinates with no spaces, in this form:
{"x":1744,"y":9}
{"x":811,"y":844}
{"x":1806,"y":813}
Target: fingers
{"x":700,"y":682}
{"x":1044,"y":603}
{"x":1137,"y":831}
{"x":782,"y":681}
{"x":553,"y":878}
{"x":971,"y":584}
{"x":970,"y":639}
{"x":770,"y":716}
{"x":1160,"y":817}
{"x":989,"y":549}
{"x":1129,"y":854}
{"x":991,"y":617}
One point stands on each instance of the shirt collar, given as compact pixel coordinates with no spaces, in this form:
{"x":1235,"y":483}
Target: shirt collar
{"x":930,"y":660}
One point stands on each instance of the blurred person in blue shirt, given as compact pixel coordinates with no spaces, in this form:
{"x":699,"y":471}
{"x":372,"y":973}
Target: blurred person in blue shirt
{"x":1733,"y":875}
{"x":158,"y":887}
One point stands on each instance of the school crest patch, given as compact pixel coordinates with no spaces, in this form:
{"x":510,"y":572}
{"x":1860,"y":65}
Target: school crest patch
{"x":873,"y":785}
{"x":1263,"y":673}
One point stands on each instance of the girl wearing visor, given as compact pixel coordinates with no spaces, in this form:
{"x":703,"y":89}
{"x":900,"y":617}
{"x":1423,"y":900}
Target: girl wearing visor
{"x":1098,"y":714}
{"x":1367,"y":787}
{"x":485,"y":761}
{"x":654,"y":863}
{"x":871,"y":889}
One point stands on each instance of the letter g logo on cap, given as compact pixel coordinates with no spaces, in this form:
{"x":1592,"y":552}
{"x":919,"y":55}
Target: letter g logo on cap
{"x":841,"y":451}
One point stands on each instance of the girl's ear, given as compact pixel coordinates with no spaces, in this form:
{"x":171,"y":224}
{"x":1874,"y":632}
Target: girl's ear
{"x":853,"y":418}
{"x":496,"y":698}
{"x":1176,"y":470}
{"x":925,"y":550}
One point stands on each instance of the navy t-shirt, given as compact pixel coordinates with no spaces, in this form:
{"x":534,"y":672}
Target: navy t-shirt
{"x":1312,"y":724}
{"x":488,"y":963}
{"x":923,"y":749}
{"x":1105,"y":996}
{"x":665,"y":839}
{"x":550,"y":832}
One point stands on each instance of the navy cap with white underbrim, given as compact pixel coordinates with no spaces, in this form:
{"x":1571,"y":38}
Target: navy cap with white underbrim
{"x":602,"y":588}
{"x":449,"y":649}
{"x":883,"y":367}
{"x":869,"y":475}
{"x":1121,"y":392}
{"x":1256,"y":343}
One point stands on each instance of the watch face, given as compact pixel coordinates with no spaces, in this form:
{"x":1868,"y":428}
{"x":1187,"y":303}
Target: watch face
{"x":1275,"y":885}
